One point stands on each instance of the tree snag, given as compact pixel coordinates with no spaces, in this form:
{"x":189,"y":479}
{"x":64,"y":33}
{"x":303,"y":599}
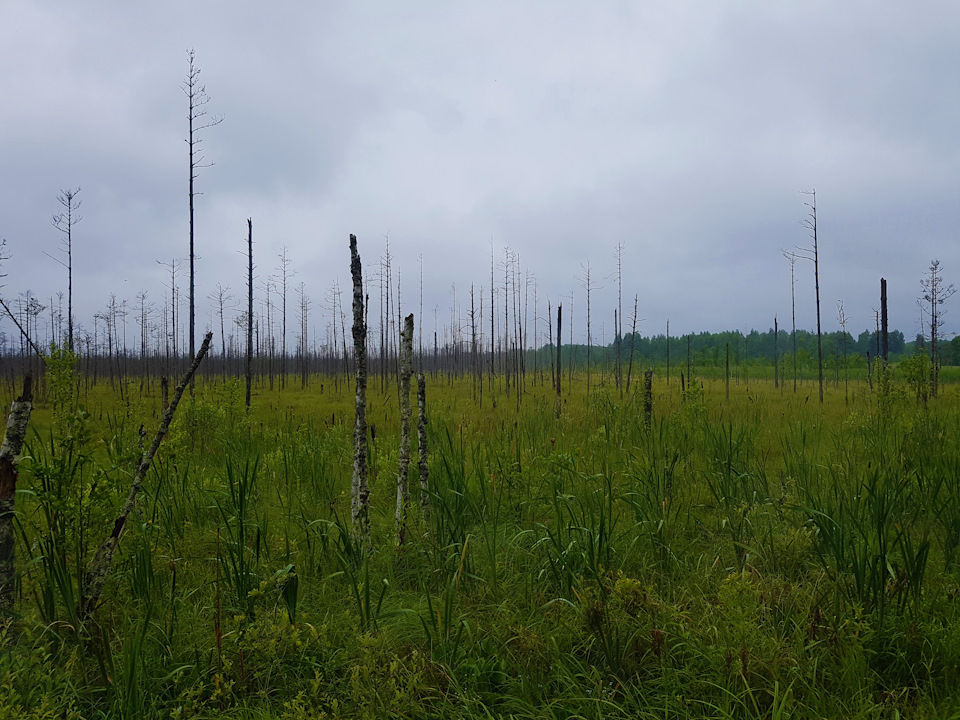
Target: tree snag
{"x":359,"y":489}
{"x":9,"y":456}
{"x":403,"y":471}
{"x":422,"y":464}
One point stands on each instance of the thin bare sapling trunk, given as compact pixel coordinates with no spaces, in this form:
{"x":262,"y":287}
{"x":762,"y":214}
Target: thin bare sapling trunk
{"x":249,"y":372}
{"x":422,"y":460}
{"x":359,"y":488}
{"x":9,"y":456}
{"x":99,"y":568}
{"x":403,"y":471}
{"x":559,"y":374}
{"x":633,"y":340}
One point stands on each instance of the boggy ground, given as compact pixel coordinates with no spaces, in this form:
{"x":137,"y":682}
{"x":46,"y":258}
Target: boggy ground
{"x":757,"y":557}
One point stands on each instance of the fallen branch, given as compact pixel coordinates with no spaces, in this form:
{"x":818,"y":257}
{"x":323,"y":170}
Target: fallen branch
{"x":99,"y":569}
{"x":20,"y":328}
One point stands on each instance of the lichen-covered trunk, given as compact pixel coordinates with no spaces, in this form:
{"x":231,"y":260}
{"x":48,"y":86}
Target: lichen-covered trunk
{"x":359,"y":489}
{"x":422,"y":461}
{"x":647,"y":399}
{"x":403,"y":471}
{"x":9,"y":455}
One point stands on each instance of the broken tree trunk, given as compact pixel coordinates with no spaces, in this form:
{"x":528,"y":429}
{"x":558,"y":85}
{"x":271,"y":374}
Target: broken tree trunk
{"x":9,"y":455}
{"x":647,"y":398}
{"x":99,"y":568}
{"x":403,"y":471}
{"x":359,"y":489}
{"x":422,"y":464}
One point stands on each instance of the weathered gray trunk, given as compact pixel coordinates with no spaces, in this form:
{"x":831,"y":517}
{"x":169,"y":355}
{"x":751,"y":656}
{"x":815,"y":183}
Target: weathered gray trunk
{"x":403,"y":471}
{"x":249,"y":372}
{"x":559,"y":374}
{"x":422,"y":461}
{"x":647,"y":398}
{"x":9,"y":456}
{"x":359,"y":489}
{"x":99,"y":568}
{"x":884,"y":337}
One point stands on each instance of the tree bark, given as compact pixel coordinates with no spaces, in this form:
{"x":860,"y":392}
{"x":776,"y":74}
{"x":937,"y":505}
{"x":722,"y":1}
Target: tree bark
{"x":9,"y":456}
{"x":403,"y":471}
{"x":422,"y":461}
{"x":647,"y":398}
{"x":359,"y":488}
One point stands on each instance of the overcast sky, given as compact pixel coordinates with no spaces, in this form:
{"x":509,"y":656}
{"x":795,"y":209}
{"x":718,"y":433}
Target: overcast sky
{"x":684,"y":131}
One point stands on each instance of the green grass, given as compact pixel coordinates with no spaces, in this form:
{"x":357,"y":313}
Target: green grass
{"x":762,"y":557}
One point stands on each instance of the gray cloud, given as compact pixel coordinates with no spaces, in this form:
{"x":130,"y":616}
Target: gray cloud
{"x":683,"y":130}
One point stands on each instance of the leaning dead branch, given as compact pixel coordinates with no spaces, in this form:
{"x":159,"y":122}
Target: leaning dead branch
{"x":99,"y":568}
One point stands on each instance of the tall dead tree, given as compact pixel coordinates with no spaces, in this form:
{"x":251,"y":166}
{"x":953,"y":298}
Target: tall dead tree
{"x":810,"y":224}
{"x":792,"y":259}
{"x":633,"y":340}
{"x":197,"y":120}
{"x":559,"y":364}
{"x":9,"y":456}
{"x":249,"y":369}
{"x":285,"y":273}
{"x":359,"y":489}
{"x":935,"y":294}
{"x":587,"y":282}
{"x":884,"y":337}
{"x":64,"y":222}
{"x":403,"y":470}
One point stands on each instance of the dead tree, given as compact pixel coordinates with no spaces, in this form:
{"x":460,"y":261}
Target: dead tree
{"x":633,"y":340}
{"x":935,"y":294}
{"x":810,"y":223}
{"x":359,"y":489}
{"x":792,"y":259}
{"x":884,"y":337}
{"x":9,"y":456}
{"x":403,"y":470}
{"x":197,"y":120}
{"x":99,"y":569}
{"x":559,"y":373}
{"x":249,"y":372}
{"x":285,"y":273}
{"x":647,"y":399}
{"x":422,"y":460}
{"x":64,"y":222}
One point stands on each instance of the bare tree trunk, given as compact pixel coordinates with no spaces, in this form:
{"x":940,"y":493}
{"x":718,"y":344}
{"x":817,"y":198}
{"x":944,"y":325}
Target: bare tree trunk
{"x":776,"y":356}
{"x":647,"y":398}
{"x":422,"y":461}
{"x":403,"y":473}
{"x":559,"y":340}
{"x":359,"y":489}
{"x":633,"y":340}
{"x":99,"y":569}
{"x":9,"y":456}
{"x":884,"y":338}
{"x":727,"y":374}
{"x":249,"y":309}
